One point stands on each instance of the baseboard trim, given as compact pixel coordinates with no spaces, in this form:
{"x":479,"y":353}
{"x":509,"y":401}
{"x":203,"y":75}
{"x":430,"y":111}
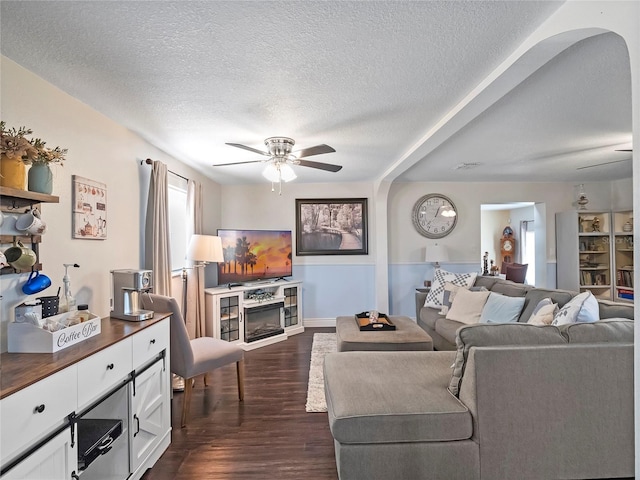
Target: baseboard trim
{"x":319,"y":322}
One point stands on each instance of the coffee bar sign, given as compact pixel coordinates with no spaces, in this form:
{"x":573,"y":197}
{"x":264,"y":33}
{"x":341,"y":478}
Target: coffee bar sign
{"x":29,"y":338}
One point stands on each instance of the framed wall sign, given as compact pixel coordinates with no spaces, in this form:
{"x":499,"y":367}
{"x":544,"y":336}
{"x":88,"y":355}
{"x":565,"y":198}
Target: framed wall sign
{"x":336,"y":226}
{"x":89,"y":209}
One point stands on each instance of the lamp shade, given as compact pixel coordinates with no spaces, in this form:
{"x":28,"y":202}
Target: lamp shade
{"x":205,"y":248}
{"x":436,"y":253}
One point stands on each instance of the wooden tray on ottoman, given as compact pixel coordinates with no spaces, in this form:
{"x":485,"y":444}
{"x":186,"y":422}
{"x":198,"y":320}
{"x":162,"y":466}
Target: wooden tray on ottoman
{"x":365,"y":325}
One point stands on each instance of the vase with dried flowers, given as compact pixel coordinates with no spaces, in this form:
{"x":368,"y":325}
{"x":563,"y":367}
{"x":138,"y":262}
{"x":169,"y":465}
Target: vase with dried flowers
{"x":15,"y":152}
{"x":40,"y":178}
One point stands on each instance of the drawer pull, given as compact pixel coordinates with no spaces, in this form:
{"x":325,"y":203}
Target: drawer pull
{"x":39,"y":409}
{"x":110,"y":366}
{"x":153,"y":340}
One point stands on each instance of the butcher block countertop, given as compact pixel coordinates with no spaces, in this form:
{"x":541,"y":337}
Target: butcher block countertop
{"x":19,"y":370}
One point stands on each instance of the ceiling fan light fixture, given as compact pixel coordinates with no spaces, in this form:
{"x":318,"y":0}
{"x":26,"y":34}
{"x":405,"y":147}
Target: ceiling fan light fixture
{"x":286,"y":172}
{"x":271,"y":173}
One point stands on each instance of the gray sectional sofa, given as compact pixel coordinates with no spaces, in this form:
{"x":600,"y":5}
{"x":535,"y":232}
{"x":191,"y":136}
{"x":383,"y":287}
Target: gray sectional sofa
{"x":514,"y":401}
{"x":443,"y":331}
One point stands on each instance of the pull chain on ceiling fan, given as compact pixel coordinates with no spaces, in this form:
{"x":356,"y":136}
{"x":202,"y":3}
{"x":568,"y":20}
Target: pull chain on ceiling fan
{"x":281,"y":158}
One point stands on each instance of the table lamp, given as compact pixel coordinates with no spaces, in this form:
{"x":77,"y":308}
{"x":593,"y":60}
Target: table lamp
{"x":435,"y":254}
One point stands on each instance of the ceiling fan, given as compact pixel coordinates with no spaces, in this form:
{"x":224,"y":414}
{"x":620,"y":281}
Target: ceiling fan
{"x":281,"y":158}
{"x":625,"y":150}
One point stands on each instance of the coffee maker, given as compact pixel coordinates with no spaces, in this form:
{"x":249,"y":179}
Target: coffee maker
{"x":128,"y":286}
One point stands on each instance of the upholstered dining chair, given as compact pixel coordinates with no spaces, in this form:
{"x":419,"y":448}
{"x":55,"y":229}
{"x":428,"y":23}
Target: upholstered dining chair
{"x":516,"y":272}
{"x":191,"y":358}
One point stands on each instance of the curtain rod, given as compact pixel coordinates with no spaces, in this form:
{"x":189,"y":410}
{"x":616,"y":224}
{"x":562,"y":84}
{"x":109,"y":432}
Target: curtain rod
{"x":148,"y":161}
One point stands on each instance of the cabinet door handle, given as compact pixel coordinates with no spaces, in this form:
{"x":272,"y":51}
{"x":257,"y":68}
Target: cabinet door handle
{"x":39,"y":408}
{"x":153,"y":340}
{"x":110,"y":366}
{"x":137,"y":419}
{"x":74,"y":475}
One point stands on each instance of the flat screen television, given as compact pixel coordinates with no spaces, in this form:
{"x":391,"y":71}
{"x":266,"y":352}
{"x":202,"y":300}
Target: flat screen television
{"x":254,"y":255}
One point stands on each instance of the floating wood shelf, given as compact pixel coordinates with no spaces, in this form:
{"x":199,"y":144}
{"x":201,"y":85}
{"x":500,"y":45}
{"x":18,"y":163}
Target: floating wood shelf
{"x":13,"y":199}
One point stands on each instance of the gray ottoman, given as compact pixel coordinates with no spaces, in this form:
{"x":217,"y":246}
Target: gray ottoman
{"x":407,"y":336}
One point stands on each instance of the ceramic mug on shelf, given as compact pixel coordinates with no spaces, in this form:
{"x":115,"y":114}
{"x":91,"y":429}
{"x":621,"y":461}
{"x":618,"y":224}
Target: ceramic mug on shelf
{"x":36,"y":283}
{"x":3,"y":261}
{"x":31,"y":222}
{"x":20,"y":257}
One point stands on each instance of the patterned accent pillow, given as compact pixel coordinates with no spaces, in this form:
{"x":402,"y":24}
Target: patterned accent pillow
{"x":582,"y":308}
{"x":440,"y":278}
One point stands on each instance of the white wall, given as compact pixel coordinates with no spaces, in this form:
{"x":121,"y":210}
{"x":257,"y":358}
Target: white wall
{"x":101,"y":150}
{"x":333,"y":284}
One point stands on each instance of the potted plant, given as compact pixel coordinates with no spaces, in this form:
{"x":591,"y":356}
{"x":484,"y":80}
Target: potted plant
{"x":40,"y":178}
{"x":15,"y":152}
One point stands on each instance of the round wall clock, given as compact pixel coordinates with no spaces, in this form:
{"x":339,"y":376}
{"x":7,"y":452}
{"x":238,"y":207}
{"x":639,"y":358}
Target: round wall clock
{"x":434,"y":216}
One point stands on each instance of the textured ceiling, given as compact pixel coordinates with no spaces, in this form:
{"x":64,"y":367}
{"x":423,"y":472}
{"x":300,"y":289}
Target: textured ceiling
{"x":367,"y":78}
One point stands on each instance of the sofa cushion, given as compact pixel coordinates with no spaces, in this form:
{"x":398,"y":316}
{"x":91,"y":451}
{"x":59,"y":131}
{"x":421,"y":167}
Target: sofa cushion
{"x":467,"y":306}
{"x":501,"y":309}
{"x":604,"y":331}
{"x":582,"y":308}
{"x":610,"y":309}
{"x":369,"y":402}
{"x":544,"y":312}
{"x":440,"y":278}
{"x":450,"y":291}
{"x":533,"y":297}
{"x":448,"y":329}
{"x":489,"y":335}
{"x":510,"y":289}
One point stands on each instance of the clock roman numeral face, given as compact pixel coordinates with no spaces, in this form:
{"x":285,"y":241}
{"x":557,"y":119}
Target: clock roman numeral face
{"x":434,"y":216}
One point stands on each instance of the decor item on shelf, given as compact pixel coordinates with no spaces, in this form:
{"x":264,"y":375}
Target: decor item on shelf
{"x":15,"y":149}
{"x":40,"y":177}
{"x":628,"y":226}
{"x":595,"y":224}
{"x":582,"y":198}
{"x":485,"y":264}
{"x":435,"y":254}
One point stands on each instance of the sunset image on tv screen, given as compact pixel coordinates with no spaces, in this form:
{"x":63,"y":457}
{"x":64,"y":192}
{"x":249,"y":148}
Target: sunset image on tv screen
{"x":251,"y":255}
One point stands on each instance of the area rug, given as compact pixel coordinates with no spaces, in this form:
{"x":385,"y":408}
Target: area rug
{"x":323,"y":343}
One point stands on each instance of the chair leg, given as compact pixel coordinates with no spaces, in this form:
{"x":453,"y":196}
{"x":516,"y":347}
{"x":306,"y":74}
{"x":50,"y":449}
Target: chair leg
{"x":186,"y":401}
{"x":205,"y":380}
{"x":240,"y":369}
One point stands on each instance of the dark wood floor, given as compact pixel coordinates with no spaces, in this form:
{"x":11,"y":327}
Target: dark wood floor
{"x":269,"y":435}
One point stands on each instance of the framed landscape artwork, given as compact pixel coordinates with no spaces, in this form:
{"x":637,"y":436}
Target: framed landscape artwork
{"x":89,"y":209}
{"x":336,"y":226}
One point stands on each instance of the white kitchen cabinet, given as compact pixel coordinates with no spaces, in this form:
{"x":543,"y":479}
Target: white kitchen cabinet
{"x":55,"y":460}
{"x":149,"y":414}
{"x":126,"y":382}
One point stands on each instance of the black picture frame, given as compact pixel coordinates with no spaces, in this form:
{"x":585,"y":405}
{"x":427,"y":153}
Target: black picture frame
{"x":331,"y":226}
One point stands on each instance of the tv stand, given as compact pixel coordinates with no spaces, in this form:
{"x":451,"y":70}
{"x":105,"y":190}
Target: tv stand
{"x":226,"y":308}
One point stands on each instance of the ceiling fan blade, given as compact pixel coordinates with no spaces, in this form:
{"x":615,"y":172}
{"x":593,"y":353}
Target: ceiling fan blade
{"x":605,"y":163}
{"x":317,"y":150}
{"x":321,"y":166}
{"x":244,"y":147}
{"x":626,"y":150}
{"x":236,"y":163}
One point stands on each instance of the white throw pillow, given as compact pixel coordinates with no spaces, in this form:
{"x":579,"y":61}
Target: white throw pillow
{"x":440,"y":278}
{"x":467,"y":306}
{"x":501,"y":309}
{"x":582,"y":308}
{"x":544,"y":312}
